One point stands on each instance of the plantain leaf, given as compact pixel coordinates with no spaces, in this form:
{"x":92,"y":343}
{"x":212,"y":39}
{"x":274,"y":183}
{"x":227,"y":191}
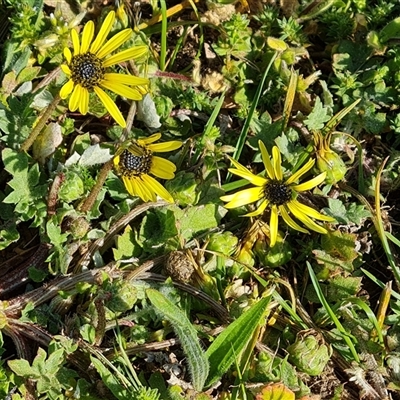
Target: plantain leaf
{"x":228,"y":345}
{"x":197,"y":361}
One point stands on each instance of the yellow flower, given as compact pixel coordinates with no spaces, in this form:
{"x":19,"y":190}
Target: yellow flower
{"x":87,"y":69}
{"x":278,"y":194}
{"x":135,"y":162}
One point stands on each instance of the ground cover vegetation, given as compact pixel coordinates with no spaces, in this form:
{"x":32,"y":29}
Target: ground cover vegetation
{"x":199,"y":200}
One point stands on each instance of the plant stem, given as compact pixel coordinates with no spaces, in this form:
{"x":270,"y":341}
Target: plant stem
{"x":40,"y":125}
{"x":107,"y":167}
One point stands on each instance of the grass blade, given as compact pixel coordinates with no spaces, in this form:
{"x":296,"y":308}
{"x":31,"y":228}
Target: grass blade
{"x":331,"y":314}
{"x":243,"y":134}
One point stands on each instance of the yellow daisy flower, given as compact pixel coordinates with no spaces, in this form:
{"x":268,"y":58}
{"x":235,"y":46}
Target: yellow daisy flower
{"x":278,"y":194}
{"x":135,"y":162}
{"x":87,"y":69}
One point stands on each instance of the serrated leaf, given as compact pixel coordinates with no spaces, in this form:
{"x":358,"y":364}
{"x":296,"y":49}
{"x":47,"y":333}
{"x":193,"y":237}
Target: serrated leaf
{"x":54,"y":233}
{"x":230,"y":343}
{"x":126,"y":247}
{"x":352,"y":212}
{"x":158,"y":229}
{"x":54,"y":361}
{"x":38,"y":363}
{"x":147,"y":112}
{"x":22,"y":368}
{"x":95,"y":155}
{"x":8,"y":234}
{"x":318,"y":116}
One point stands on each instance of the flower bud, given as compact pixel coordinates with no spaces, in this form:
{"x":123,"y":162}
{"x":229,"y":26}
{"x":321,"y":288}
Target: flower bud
{"x":224,"y":243}
{"x":310,"y":353}
{"x":330,"y":162}
{"x":275,"y":256}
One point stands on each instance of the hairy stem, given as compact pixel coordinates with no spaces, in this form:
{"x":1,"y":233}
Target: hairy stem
{"x":87,"y":205}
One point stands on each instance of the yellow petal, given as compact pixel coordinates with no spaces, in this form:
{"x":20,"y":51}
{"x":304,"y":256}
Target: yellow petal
{"x":259,"y":210}
{"x":67,"y":89}
{"x":308,"y":222}
{"x":75,"y":41}
{"x":297,"y":175}
{"x":116,"y":41}
{"x":66,"y":69}
{"x":158,"y":188}
{"x":74,"y":99}
{"x":288,"y":219}
{"x":103,"y":33}
{"x":144,"y":141}
{"x":87,"y":37}
{"x":126,"y":79}
{"x":273,"y":225}
{"x":266,"y":160}
{"x":125,"y":55}
{"x":84,"y":102}
{"x":243,"y":197}
{"x":110,"y":106}
{"x":165,"y":147}
{"x":116,"y":161}
{"x":67,"y":54}
{"x":238,"y":165}
{"x":254,"y":179}
{"x":310,"y":184}
{"x":146,"y":192}
{"x":311,"y":212}
{"x":162,"y":168}
{"x":277,"y":163}
{"x":122,"y":90}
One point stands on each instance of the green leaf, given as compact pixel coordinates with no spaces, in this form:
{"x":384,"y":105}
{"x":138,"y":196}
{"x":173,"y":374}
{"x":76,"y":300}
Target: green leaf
{"x":127,"y":246}
{"x":8,"y":234}
{"x":229,"y":344}
{"x":22,"y":368}
{"x":198,"y":219}
{"x":338,"y":253}
{"x":28,"y":74}
{"x":390,"y":31}
{"x":197,"y":361}
{"x":318,"y":116}
{"x":349,"y":213}
{"x":54,"y":233}
{"x":158,"y":230}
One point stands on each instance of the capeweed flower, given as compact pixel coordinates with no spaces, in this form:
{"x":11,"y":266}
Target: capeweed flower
{"x":278,"y":193}
{"x":87,"y":69}
{"x":136,"y":162}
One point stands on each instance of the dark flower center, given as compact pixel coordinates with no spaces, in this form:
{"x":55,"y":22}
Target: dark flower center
{"x":133,"y":165}
{"x":86,"y":70}
{"x":277,"y":192}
